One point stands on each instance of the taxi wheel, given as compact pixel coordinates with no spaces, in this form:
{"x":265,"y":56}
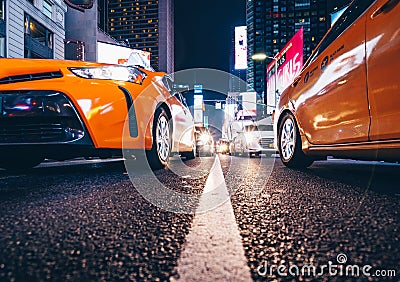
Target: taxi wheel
{"x":158,"y":156}
{"x":290,"y":144}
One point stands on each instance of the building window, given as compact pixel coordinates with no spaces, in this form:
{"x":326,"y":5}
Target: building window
{"x":2,"y":10}
{"x":47,"y":8}
{"x":38,"y":39}
{"x":75,"y":50}
{"x":2,"y":46}
{"x":2,"y":29}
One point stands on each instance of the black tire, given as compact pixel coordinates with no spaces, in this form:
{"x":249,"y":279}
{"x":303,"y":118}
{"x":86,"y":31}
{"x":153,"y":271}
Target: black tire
{"x":289,"y":144}
{"x":190,"y":155}
{"x":21,"y":162}
{"x":243,"y":154}
{"x":159,"y":154}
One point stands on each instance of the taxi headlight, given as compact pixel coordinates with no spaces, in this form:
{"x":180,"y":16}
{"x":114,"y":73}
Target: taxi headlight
{"x":122,"y":73}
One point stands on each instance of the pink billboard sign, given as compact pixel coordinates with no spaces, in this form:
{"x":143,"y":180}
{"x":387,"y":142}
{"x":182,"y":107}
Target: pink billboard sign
{"x":290,"y":63}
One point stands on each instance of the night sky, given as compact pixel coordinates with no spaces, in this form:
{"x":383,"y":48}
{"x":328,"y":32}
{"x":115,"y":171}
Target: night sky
{"x":203,"y":32}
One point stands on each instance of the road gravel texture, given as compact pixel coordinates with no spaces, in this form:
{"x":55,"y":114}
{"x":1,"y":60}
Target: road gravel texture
{"x":87,"y":222}
{"x":310,"y":217}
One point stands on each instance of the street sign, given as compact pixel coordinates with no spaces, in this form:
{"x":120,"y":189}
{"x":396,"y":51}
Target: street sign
{"x":198,"y":102}
{"x":206,"y":121}
{"x":198,"y":116}
{"x":198,"y":88}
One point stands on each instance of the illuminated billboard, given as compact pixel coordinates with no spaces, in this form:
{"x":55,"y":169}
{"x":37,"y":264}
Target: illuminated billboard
{"x":241,"y":47}
{"x":116,"y":54}
{"x":198,"y":109}
{"x":289,"y":64}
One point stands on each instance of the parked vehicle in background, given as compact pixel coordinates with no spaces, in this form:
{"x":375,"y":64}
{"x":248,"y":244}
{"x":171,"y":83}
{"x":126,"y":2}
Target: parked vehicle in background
{"x":255,"y":139}
{"x":345,"y":102}
{"x":204,"y":142}
{"x":222,"y":146}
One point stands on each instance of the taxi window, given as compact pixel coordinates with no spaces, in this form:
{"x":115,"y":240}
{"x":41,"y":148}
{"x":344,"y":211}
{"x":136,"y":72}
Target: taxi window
{"x":353,"y":12}
{"x":266,"y":127}
{"x":168,"y":83}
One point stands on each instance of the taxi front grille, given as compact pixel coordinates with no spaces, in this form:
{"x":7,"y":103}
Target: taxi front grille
{"x":34,"y":117}
{"x":37,"y":130}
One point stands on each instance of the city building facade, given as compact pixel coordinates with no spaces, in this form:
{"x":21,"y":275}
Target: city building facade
{"x":144,"y":25}
{"x":32,"y":28}
{"x":271,"y":24}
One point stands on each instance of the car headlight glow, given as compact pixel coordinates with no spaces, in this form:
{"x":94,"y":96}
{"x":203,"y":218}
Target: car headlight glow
{"x":122,"y":73}
{"x":251,"y":138}
{"x":205,"y":138}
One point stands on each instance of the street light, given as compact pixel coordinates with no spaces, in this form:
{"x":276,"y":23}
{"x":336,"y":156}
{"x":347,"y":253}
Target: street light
{"x":263,"y":57}
{"x":259,"y":57}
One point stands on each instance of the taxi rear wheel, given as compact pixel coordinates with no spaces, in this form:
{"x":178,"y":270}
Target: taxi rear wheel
{"x":158,"y":156}
{"x":290,"y":144}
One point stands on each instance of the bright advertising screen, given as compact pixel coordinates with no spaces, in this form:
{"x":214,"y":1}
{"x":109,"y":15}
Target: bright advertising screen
{"x":290,"y":63}
{"x":241,"y":47}
{"x":115,"y":54}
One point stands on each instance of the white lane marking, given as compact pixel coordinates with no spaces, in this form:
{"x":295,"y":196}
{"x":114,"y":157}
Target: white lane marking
{"x":213,"y":249}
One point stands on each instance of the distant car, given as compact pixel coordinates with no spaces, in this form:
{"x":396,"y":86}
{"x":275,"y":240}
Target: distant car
{"x":222,"y":146}
{"x":204,"y":142}
{"x":255,"y":139}
{"x":345,"y":102}
{"x":65,"y":109}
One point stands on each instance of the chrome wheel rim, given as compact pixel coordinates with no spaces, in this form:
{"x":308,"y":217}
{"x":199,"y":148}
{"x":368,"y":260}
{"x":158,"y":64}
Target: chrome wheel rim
{"x":163,"y":138}
{"x":288,"y":139}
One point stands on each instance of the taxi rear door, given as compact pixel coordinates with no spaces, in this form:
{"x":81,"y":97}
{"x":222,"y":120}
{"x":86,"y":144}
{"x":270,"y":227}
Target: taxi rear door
{"x":383,"y":68}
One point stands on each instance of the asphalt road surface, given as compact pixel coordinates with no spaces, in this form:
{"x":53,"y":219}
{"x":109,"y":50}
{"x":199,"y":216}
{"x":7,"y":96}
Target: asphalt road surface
{"x":240,"y":219}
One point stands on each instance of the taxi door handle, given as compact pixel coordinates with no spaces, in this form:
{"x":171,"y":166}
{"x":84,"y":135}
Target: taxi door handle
{"x":385,"y":8}
{"x":296,"y":81}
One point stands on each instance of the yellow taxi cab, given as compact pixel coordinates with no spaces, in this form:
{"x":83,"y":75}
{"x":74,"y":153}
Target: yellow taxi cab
{"x":59,"y":110}
{"x":345,"y":102}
